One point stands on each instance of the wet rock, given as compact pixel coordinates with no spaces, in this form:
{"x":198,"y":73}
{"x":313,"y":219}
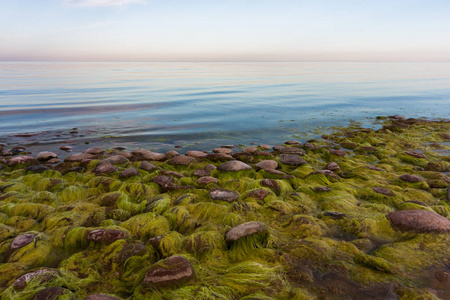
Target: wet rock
{"x":244,"y":157}
{"x":218,"y":157}
{"x":53,"y":161}
{"x":210,"y":167}
{"x":416,"y":154}
{"x":94,"y":151}
{"x":332,"y":166}
{"x":37,"y":168}
{"x":309,"y":146}
{"x":65,"y":148}
{"x":75,"y":169}
{"x":421,"y":221}
{"x":126,"y":155}
{"x":292,"y":160}
{"x":207,"y":180}
{"x":291,"y":150}
{"x":44,"y":275}
{"x":396,"y":117}
{"x":22,"y":240}
{"x":293,"y":143}
{"x":144,"y":154}
{"x":202,"y":172}
{"x":263,"y":153}
{"x":100,"y":297}
{"x":172,"y":153}
{"x":24,"y":159}
{"x":130,"y":172}
{"x":244,"y":230}
{"x":165,"y":182}
{"x":106,"y":236}
{"x":322,"y":189}
{"x":114,"y":160}
{"x":181,"y":160}
{"x":271,"y":184}
{"x":383,"y":191}
{"x":222,"y":150}
{"x":49,"y":293}
{"x":104,"y":169}
{"x":264,"y":147}
{"x":234,"y":166}
{"x":46,"y":155}
{"x":174,"y":270}
{"x":366,"y":150}
{"x":259,"y":194}
{"x":340,"y":153}
{"x":149,"y":167}
{"x":410,"y":178}
{"x":250,"y":150}
{"x":327,"y":173}
{"x":224,"y":195}
{"x":267,"y":165}
{"x":198,"y":154}
{"x":78,"y":157}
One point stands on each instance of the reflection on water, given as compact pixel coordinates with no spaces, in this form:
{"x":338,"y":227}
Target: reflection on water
{"x":161,"y":104}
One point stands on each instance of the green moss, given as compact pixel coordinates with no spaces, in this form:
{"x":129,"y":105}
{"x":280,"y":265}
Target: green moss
{"x":170,"y":243}
{"x":158,"y":204}
{"x":72,"y":194}
{"x":421,"y":162}
{"x":30,"y":210}
{"x":375,"y":263}
{"x":146,"y":225}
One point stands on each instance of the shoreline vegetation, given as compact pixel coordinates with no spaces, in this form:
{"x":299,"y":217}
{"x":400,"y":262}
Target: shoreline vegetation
{"x":356,"y":214}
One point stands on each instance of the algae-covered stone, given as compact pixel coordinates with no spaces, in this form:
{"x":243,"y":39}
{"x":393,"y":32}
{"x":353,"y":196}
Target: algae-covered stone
{"x":106,"y":236}
{"x":267,"y":165}
{"x":43,"y":275}
{"x":100,"y":297}
{"x":22,"y":240}
{"x":410,"y":178}
{"x":24,"y":159}
{"x":51,"y":293}
{"x":224,"y":195}
{"x":166,"y":183}
{"x":421,"y":221}
{"x":130,"y":172}
{"x":245,"y":229}
{"x":234,"y":166}
{"x":172,"y":271}
{"x":207,"y":180}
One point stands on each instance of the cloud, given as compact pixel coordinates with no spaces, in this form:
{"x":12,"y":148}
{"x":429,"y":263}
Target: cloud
{"x":91,"y":3}
{"x":94,"y":25}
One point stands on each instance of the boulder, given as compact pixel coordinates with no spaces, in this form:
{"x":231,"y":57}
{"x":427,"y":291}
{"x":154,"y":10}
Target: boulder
{"x":130,"y":172}
{"x":104,"y":169}
{"x":234,"y":166}
{"x":244,"y":230}
{"x":420,"y":221}
{"x":383,"y":191}
{"x":172,"y":271}
{"x":267,"y":165}
{"x":292,"y":160}
{"x":145,"y":154}
{"x":149,"y":167}
{"x":224,"y":195}
{"x":46,"y":155}
{"x":181,"y":160}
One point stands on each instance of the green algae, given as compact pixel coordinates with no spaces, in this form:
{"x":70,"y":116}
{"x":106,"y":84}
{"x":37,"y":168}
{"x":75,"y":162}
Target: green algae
{"x":146,"y":225}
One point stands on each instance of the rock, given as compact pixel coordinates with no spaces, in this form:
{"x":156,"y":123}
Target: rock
{"x":174,"y":270}
{"x":207,"y":180}
{"x":171,"y":153}
{"x":244,"y":230}
{"x":198,"y":154}
{"x":420,"y":221}
{"x":46,"y":155}
{"x":445,"y":136}
{"x":65,"y":148}
{"x":37,"y":168}
{"x":264,"y":147}
{"x":244,"y":157}
{"x":44,"y":275}
{"x":171,"y":173}
{"x":234,"y":166}
{"x":349,"y":145}
{"x":23,"y":159}
{"x":222,"y":150}
{"x":276,"y":172}
{"x":218,"y":157}
{"x":332,"y":166}
{"x":100,"y":297}
{"x":291,"y":150}
{"x":373,"y":168}
{"x":341,"y":153}
{"x":130,"y":172}
{"x":267,"y":165}
{"x":94,"y":151}
{"x":53,"y":161}
{"x":202,"y":172}
{"x":78,"y":157}
{"x":144,"y":154}
{"x":271,"y":184}
{"x":292,"y":160}
{"x":210,"y":167}
{"x":250,"y":150}
{"x":293,"y":143}
{"x":50,"y":293}
{"x":181,"y":160}
{"x":166,"y":183}
{"x":334,"y":215}
{"x":114,"y":160}
{"x":383,"y":191}
{"x":259,"y":194}
{"x":104,"y":169}
{"x":149,"y":167}
{"x":396,"y":117}
{"x":227,"y":146}
{"x":321,"y":189}
{"x":263,"y":153}
{"x":327,"y":173}
{"x":410,"y":178}
{"x":224,"y":195}
{"x":106,"y":236}
{"x":416,"y":154}
{"x":22,"y":240}
{"x":126,"y":155}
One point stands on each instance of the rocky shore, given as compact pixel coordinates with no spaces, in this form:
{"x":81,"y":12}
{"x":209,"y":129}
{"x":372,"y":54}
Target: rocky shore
{"x":357,"y":214}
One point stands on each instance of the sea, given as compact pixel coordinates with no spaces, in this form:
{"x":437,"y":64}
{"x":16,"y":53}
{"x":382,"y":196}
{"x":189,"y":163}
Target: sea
{"x":201,"y":105}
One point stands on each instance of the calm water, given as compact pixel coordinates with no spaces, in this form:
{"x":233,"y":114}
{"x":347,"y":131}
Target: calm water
{"x":159,"y":105}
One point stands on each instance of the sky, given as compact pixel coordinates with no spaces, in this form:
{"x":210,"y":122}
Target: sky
{"x":227,"y":30}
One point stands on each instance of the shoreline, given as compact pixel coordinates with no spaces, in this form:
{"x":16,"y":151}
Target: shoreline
{"x":358,"y":212}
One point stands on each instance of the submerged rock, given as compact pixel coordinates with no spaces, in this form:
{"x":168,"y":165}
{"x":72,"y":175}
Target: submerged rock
{"x":421,"y":221}
{"x":245,"y":229}
{"x":172,"y":271}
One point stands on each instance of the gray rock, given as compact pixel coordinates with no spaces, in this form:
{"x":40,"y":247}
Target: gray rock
{"x":144,"y":154}
{"x":267,"y":165}
{"x":94,"y":151}
{"x":196,"y":154}
{"x":210,"y":167}
{"x":181,"y":160}
{"x":104,"y":169}
{"x":292,"y":160}
{"x":244,"y":230}
{"x":23,"y":159}
{"x":410,"y":178}
{"x":46,"y":155}
{"x":383,"y":191}
{"x":149,"y":167}
{"x":114,"y":160}
{"x":207,"y":180}
{"x":130,"y":172}
{"x":172,"y":271}
{"x":22,"y":240}
{"x":234,"y":166}
{"x":224,"y":195}
{"x":421,"y":221}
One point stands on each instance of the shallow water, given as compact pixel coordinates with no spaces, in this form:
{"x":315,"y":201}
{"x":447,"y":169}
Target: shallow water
{"x":160,"y":105}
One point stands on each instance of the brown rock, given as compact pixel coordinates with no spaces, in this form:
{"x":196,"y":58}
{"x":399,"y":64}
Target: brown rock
{"x":207,"y":180}
{"x":65,"y":148}
{"x":267,"y":165}
{"x":222,"y":150}
{"x":218,"y":157}
{"x":410,"y":178}
{"x":198,"y":154}
{"x":22,"y":240}
{"x":104,"y":169}
{"x":181,"y":160}
{"x":94,"y":151}
{"x":210,"y":167}
{"x":421,"y":221}
{"x":172,"y":153}
{"x":78,"y":157}
{"x":244,"y":230}
{"x":171,"y":173}
{"x":49,"y":293}
{"x":234,"y":166}
{"x":23,"y":159}
{"x":292,"y":160}
{"x":250,"y":150}
{"x":291,"y":150}
{"x":327,"y":173}
{"x":293,"y":143}
{"x":44,"y":275}
{"x":149,"y":167}
{"x":145,"y":154}
{"x":53,"y":161}
{"x":264,"y":147}
{"x":130,"y":172}
{"x":202,"y":172}
{"x":224,"y":195}
{"x":374,"y":168}
{"x":332,"y":166}
{"x":106,"y":236}
{"x":174,"y":270}
{"x":341,"y":153}
{"x":416,"y":154}
{"x":383,"y":191}
{"x":259,"y":194}
{"x":46,"y":155}
{"x":271,"y":184}
{"x":322,"y":189}
{"x":244,"y":157}
{"x":114,"y":160}
{"x":166,"y":183}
